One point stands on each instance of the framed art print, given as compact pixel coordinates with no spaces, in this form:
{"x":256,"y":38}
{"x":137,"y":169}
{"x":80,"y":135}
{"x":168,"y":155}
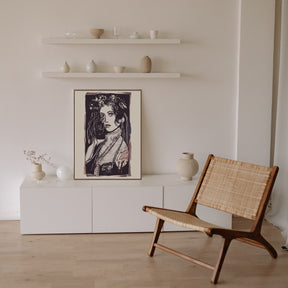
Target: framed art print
{"x":107,"y":134}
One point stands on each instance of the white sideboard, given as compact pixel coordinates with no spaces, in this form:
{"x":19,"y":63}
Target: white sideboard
{"x":105,"y":206}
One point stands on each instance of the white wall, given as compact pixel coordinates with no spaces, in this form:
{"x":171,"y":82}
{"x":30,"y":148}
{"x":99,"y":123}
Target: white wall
{"x":195,"y":113}
{"x":256,"y":46}
{"x":279,"y":214}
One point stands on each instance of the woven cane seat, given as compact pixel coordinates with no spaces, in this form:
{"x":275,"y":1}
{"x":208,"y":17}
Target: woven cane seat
{"x":181,"y":219}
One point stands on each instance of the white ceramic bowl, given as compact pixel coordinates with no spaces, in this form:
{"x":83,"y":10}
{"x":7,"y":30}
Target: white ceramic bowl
{"x":119,"y":69}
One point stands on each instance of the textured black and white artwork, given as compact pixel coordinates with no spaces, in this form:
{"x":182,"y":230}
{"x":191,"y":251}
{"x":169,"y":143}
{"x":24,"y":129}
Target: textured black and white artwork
{"x":108,"y":146}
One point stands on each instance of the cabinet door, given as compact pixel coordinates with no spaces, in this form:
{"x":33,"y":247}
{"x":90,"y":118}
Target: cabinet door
{"x":178,"y":198}
{"x":119,"y":209}
{"x":55,"y":210}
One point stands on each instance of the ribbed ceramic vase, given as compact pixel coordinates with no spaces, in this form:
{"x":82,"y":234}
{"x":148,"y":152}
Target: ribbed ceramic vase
{"x":187,"y":166}
{"x":37,"y":173}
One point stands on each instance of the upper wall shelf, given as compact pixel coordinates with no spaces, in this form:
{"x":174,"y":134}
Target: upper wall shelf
{"x":108,"y":41}
{"x":109,"y":75}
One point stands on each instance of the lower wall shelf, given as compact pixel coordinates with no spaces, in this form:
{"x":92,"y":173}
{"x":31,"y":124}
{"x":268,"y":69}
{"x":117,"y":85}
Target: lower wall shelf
{"x":109,"y":75}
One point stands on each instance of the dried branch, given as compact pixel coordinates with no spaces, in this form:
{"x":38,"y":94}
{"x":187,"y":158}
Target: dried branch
{"x":32,"y":156}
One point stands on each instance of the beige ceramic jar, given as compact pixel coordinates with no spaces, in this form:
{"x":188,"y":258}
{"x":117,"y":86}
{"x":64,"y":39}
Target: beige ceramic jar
{"x":187,"y":166}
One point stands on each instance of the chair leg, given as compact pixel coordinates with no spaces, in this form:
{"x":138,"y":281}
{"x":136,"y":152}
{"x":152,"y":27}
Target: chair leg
{"x":157,"y":231}
{"x":225,"y":245}
{"x":268,"y":246}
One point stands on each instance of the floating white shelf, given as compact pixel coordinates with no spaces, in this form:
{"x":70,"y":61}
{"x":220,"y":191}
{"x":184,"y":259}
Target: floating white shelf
{"x":109,"y":75}
{"x":108,"y":41}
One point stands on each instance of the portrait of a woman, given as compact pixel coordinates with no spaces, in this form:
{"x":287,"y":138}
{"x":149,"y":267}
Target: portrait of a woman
{"x":107,"y":143}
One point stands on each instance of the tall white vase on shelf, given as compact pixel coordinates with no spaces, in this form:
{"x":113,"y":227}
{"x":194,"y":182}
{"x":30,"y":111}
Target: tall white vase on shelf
{"x":187,"y":166}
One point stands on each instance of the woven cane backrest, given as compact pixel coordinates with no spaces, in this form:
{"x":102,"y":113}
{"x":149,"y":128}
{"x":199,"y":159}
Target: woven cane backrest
{"x":234,"y":187}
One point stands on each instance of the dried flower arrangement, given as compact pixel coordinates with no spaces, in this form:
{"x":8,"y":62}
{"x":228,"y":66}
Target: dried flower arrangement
{"x":32,"y":156}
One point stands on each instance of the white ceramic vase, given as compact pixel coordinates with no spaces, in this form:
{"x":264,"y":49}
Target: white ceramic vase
{"x":91,"y":67}
{"x":65,"y":68}
{"x":187,"y":166}
{"x":37,"y":173}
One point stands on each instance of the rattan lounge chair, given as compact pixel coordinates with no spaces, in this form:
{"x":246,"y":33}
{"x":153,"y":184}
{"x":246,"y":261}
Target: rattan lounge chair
{"x":235,"y":187}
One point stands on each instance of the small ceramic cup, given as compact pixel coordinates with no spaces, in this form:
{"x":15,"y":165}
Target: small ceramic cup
{"x":154,"y":34}
{"x":134,"y":35}
{"x":118,"y":69}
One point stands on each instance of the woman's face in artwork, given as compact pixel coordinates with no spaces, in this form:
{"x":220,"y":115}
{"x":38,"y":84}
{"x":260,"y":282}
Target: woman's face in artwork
{"x":108,"y":118}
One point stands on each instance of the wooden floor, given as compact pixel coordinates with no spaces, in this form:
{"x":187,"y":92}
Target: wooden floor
{"x":120,"y":260}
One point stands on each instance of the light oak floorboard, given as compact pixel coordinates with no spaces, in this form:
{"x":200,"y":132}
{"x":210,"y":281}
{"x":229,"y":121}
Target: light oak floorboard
{"x":121,"y":261}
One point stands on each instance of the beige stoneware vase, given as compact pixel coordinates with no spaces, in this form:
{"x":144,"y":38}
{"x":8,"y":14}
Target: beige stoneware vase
{"x":37,"y":173}
{"x":146,"y":64}
{"x":187,"y":166}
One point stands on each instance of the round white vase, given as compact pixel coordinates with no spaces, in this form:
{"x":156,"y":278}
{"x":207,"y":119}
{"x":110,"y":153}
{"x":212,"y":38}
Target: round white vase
{"x":37,"y":173}
{"x":187,"y":166}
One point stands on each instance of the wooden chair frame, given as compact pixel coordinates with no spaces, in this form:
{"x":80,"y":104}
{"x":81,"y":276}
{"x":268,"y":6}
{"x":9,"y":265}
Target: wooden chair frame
{"x":252,"y":237}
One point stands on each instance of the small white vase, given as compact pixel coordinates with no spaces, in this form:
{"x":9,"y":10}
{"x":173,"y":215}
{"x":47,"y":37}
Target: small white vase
{"x":37,"y":172}
{"x":187,"y":166}
{"x":65,"y":68}
{"x":91,"y":67}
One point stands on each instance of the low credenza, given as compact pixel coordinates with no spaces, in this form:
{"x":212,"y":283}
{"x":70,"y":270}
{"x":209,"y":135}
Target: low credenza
{"x":52,"y":206}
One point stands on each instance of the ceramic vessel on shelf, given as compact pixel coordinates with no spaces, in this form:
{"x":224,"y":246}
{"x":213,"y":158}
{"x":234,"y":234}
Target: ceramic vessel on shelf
{"x":146,"y":64}
{"x":70,"y":35}
{"x":96,"y":33}
{"x":154,"y":34}
{"x":134,"y":35}
{"x":119,"y":69}
{"x":37,"y":173}
{"x":187,"y":166}
{"x":65,"y":68}
{"x":91,"y":67}
{"x":63,"y":173}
